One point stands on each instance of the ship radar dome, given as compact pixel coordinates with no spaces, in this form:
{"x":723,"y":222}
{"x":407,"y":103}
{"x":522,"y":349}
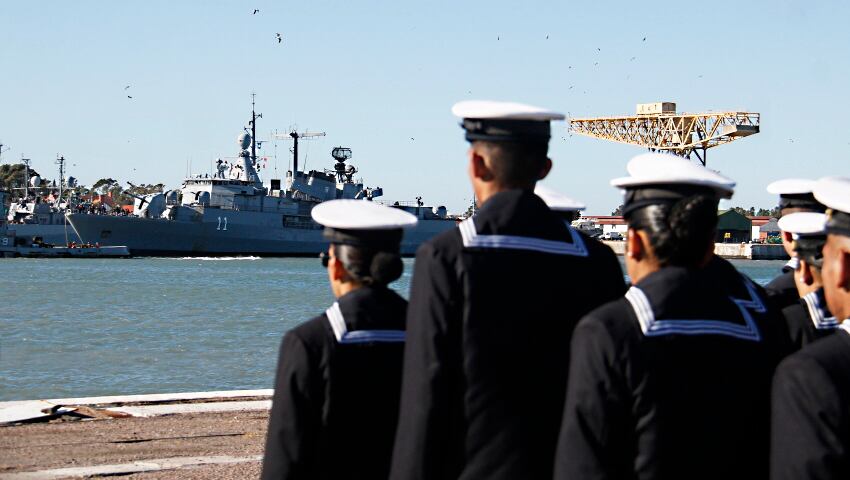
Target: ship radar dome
{"x":244,"y":140}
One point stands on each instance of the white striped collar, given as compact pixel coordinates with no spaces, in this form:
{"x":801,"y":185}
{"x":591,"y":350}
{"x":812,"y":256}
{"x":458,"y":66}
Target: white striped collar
{"x":792,"y":264}
{"x":817,"y":313}
{"x":342,"y":334}
{"x":472,"y":239}
{"x":656,"y":328}
{"x":845,"y":325}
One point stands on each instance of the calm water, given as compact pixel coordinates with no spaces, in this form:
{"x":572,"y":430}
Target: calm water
{"x":97,"y":327}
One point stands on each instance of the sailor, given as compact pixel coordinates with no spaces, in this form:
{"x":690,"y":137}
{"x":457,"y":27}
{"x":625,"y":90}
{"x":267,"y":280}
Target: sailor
{"x":672,"y":381}
{"x":492,"y":307}
{"x":565,"y":207}
{"x":795,"y":195}
{"x":811,"y":390}
{"x":336,"y":394}
{"x":809,"y":318}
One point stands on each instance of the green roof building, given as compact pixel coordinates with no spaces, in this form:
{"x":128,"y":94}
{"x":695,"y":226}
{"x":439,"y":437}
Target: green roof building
{"x":732,"y":227}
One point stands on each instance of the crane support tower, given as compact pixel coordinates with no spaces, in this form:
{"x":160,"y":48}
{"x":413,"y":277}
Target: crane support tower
{"x":658,"y":127}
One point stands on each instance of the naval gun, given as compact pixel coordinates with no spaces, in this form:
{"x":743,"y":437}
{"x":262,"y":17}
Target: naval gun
{"x":147,"y":206}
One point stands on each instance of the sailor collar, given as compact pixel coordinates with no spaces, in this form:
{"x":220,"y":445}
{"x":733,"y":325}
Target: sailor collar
{"x":350,"y":303}
{"x":515,"y":211}
{"x":666,"y":284}
{"x":820,"y":315}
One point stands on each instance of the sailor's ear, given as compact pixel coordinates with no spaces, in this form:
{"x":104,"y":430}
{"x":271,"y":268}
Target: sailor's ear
{"x":805,"y":273}
{"x":634,"y":245}
{"x":547,"y":167}
{"x":844,"y":266}
{"x":337,"y":271}
{"x":787,"y":237}
{"x":478,"y":165}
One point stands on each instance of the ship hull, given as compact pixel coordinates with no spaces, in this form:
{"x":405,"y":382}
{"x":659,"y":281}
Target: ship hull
{"x":223,"y":233}
{"x":53,"y":234}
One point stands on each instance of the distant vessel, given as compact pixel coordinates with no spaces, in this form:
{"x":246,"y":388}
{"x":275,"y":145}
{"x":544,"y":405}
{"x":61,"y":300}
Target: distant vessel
{"x":230,"y":212}
{"x":31,"y":216}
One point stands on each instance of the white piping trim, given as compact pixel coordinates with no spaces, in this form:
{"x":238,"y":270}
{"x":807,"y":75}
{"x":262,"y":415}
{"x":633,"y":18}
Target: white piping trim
{"x":816,"y":312}
{"x":472,"y":239}
{"x":793,"y":264}
{"x":656,"y":328}
{"x":845,"y":325}
{"x":342,"y":334}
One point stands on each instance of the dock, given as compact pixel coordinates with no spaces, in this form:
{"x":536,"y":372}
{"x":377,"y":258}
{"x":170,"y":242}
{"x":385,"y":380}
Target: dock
{"x":180,"y":435}
{"x":744,"y":251}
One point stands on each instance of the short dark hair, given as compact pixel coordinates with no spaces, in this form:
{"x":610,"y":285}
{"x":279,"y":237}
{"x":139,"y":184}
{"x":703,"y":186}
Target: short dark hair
{"x":515,"y":164}
{"x":680,"y":233}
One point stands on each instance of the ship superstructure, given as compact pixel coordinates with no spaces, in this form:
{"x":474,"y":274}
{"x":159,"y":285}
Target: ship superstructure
{"x":231,"y":212}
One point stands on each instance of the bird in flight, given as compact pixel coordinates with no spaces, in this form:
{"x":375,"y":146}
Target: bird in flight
{"x":125,"y":88}
{"x":631,"y":59}
{"x":412,"y":138}
{"x":497,"y":38}
{"x":644,"y":39}
{"x":279,"y":37}
{"x":598,"y":49}
{"x":129,"y":96}
{"x":256,"y":11}
{"x":547,"y":37}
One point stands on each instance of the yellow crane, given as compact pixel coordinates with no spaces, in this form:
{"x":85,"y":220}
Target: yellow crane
{"x":658,"y":127}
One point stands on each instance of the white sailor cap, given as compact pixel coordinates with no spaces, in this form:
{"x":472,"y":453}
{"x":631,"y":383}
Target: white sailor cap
{"x":505,"y":121}
{"x":808,"y":230}
{"x":795,"y":193}
{"x":363,"y":223}
{"x":557,"y":201}
{"x":664,"y":178}
{"x":834,"y":192}
{"x":801,"y":224}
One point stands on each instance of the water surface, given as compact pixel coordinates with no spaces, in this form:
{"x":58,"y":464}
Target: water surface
{"x":83,"y":327}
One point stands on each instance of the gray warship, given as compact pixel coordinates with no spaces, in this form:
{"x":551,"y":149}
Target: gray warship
{"x":231,"y":212}
{"x":31,"y":216}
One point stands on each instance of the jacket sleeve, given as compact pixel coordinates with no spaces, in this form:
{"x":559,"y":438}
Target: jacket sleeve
{"x":291,"y":441}
{"x":595,"y":427}
{"x":805,"y":437}
{"x":423,"y":443}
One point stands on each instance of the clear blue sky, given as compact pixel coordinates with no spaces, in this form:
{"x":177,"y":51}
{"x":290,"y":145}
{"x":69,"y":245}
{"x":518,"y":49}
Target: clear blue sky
{"x":374,"y":74}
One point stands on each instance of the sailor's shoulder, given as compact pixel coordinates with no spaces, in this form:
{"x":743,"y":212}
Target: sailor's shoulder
{"x":312,"y":334}
{"x":447,"y":244}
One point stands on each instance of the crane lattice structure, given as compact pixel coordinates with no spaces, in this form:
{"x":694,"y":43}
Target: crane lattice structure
{"x":658,"y":127}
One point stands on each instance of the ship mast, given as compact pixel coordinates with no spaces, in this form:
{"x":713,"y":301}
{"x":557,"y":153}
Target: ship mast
{"x":26,"y":162}
{"x":254,"y":118}
{"x":61,"y":162}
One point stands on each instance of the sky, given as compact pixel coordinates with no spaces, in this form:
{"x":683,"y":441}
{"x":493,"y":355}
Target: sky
{"x":381,"y":77}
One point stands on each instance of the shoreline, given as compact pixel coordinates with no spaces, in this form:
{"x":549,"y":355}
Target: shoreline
{"x":740,"y":251}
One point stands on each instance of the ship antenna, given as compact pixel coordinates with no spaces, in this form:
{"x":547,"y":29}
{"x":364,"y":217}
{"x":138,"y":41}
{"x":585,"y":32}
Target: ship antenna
{"x":253,"y":130}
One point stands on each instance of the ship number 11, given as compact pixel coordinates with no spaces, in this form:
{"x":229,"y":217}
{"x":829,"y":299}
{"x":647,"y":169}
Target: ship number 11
{"x":220,"y":227}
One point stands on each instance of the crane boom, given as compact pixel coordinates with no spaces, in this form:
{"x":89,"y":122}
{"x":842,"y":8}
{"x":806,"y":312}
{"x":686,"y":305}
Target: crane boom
{"x":664,"y":129}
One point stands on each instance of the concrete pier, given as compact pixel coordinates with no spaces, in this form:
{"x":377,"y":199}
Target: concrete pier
{"x":186,"y":435}
{"x":748,"y":251}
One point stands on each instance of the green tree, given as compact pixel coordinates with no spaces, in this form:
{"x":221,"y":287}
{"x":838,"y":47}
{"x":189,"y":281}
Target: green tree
{"x":12,"y":175}
{"x":618,"y":212}
{"x":104,"y":185}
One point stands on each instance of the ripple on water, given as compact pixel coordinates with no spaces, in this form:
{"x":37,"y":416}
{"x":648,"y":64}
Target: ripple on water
{"x":74,"y":327}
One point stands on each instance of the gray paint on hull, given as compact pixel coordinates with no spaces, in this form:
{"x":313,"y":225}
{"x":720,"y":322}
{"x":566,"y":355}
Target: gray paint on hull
{"x":247,"y":233}
{"x":54,"y":234}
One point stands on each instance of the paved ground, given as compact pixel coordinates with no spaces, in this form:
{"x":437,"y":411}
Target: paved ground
{"x":60,"y":444}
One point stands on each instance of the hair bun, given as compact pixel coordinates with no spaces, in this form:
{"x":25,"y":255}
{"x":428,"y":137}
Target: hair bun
{"x":385,"y":267}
